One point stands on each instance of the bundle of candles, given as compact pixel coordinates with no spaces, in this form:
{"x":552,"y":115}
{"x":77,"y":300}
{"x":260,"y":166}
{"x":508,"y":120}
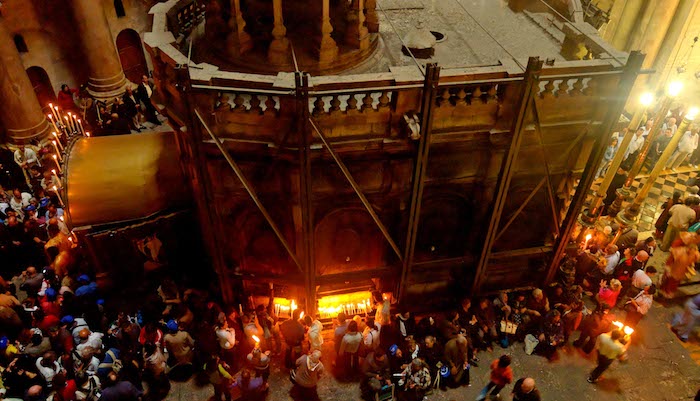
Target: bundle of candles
{"x":625,"y":329}
{"x":357,"y":303}
{"x":284,"y":307}
{"x":65,"y":125}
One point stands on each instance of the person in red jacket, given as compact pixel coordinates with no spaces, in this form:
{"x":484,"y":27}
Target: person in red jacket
{"x":501,"y":375}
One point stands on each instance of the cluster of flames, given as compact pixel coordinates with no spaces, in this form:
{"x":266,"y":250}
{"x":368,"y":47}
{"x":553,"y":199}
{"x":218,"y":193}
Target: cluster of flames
{"x":356,"y":303}
{"x":625,"y":329}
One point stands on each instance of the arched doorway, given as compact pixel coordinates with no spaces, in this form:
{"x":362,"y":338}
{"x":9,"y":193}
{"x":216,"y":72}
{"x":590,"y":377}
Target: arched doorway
{"x":42,"y":85}
{"x":131,"y":55}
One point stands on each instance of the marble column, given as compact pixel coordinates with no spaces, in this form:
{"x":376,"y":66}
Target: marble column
{"x":278,"y":52}
{"x":239,"y":41}
{"x":20,"y":110}
{"x":660,"y":17}
{"x":356,"y":34}
{"x":628,"y":23}
{"x":327,"y":48}
{"x":671,"y":40}
{"x":106,"y":78}
{"x":372,"y":17}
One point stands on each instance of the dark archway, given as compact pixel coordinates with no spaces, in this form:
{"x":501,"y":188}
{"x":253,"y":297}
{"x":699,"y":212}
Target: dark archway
{"x":131,"y":55}
{"x":42,"y":85}
{"x":20,"y":44}
{"x":119,"y":8}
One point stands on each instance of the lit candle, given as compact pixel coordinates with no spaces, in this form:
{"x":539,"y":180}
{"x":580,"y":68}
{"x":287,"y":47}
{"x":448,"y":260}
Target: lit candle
{"x":71,"y":122}
{"x":50,"y":116}
{"x":67,"y":125}
{"x":57,"y":140}
{"x":257,"y":341}
{"x":58,"y":113}
{"x":58,"y":152}
{"x":87,"y":134}
{"x":53,"y":171}
{"x":75,"y":237}
{"x":75,"y":123}
{"x":80,"y":126}
{"x":59,"y":197}
{"x":55,"y":159}
{"x":585,"y":244}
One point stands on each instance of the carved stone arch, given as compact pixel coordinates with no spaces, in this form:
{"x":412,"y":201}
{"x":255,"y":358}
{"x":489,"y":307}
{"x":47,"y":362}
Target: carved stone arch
{"x":253,"y":243}
{"x":348,"y":240}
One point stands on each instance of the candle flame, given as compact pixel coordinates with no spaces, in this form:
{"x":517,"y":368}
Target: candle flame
{"x":301,"y":315}
{"x":55,"y":108}
{"x":54,"y":188}
{"x":87,"y":134}
{"x":53,"y":170}
{"x":55,"y":157}
{"x":588,"y":237}
{"x":54,"y":142}
{"x":628,"y":330}
{"x":50,"y":116}
{"x":618,"y":324}
{"x":54,"y":134}
{"x":61,"y":217}
{"x":70,"y":239}
{"x":51,"y":105}
{"x":257,"y":340}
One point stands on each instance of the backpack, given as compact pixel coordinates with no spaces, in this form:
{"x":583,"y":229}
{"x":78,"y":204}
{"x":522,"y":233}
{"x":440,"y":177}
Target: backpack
{"x":115,"y":365}
{"x":92,"y":393}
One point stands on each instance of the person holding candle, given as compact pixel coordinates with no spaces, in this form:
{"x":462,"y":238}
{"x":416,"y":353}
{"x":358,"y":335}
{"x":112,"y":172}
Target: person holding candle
{"x":610,"y":348}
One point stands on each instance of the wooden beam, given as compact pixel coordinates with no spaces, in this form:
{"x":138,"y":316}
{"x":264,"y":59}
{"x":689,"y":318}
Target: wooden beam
{"x":520,"y":208}
{"x":530,"y":86}
{"x":357,"y":189}
{"x":251,"y":191}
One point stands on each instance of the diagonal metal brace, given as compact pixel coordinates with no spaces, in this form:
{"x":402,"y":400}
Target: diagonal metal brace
{"x":250,"y":190}
{"x":359,"y":193}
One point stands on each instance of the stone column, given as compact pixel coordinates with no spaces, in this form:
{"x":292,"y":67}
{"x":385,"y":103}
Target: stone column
{"x":327,"y":48}
{"x":671,"y":40}
{"x":239,"y":42}
{"x":356,"y":34}
{"x":628,"y":22}
{"x":372,"y":17}
{"x":106,"y":78}
{"x":660,"y":17}
{"x":278,"y":52}
{"x":20,"y":110}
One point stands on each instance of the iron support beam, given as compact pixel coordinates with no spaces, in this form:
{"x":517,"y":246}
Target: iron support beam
{"x":357,"y":189}
{"x":430,"y":87}
{"x":620,"y":95}
{"x":530,"y":87}
{"x":520,"y":208}
{"x":249,"y":188}
{"x":306,"y":189}
{"x":195,"y":162}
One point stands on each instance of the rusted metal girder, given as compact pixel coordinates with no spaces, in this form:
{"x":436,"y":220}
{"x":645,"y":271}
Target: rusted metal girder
{"x":432,"y":77}
{"x":620,"y":95}
{"x":356,"y":188}
{"x":530,"y":87}
{"x":306,"y":190}
{"x":202,"y":192}
{"x":251,"y":191}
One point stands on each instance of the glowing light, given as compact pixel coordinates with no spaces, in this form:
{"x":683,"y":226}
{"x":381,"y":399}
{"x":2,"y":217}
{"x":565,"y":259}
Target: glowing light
{"x":675,"y":88}
{"x":588,"y":237}
{"x":301,"y":315}
{"x":646,"y":99}
{"x":257,"y":340}
{"x":692,"y":113}
{"x":618,"y":324}
{"x":628,"y":330}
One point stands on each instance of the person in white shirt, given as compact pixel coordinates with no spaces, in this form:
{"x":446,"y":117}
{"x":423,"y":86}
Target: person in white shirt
{"x":48,"y":366}
{"x":639,"y":306}
{"x":19,"y":201}
{"x":670,"y":123}
{"x":26,"y":157}
{"x":647,"y":127}
{"x":687,"y":145}
{"x":635,"y":144}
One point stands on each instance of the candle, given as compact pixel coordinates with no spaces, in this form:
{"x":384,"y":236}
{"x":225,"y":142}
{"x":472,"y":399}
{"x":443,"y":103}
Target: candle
{"x":53,"y":171}
{"x":71,"y":123}
{"x":59,"y":197}
{"x":57,"y":140}
{"x":80,"y":126}
{"x":55,"y":159}
{"x":588,"y":238}
{"x":58,"y":152}
{"x":87,"y":134}
{"x":50,"y":116}
{"x":58,"y":113}
{"x":75,"y":237}
{"x":74,"y":117}
{"x":67,"y":125}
